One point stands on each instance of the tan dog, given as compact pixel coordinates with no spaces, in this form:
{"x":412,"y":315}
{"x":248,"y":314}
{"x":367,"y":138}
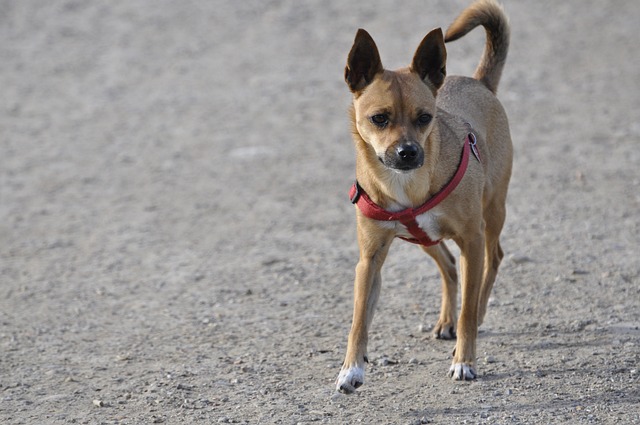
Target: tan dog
{"x":413,"y":130}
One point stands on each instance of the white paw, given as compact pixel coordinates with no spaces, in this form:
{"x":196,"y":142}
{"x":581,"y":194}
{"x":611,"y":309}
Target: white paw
{"x":462,"y":372}
{"x":349,"y":379}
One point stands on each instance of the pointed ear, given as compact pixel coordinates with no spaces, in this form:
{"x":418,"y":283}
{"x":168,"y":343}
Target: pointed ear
{"x":363,"y":62}
{"x":430,"y":59}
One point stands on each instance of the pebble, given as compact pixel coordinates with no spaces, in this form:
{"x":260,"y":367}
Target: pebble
{"x":520,"y":259}
{"x":383,"y":361}
{"x":337,"y":396}
{"x":98,"y":403}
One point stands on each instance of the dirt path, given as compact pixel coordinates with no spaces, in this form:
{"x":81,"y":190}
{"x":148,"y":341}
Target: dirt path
{"x":176,"y":244}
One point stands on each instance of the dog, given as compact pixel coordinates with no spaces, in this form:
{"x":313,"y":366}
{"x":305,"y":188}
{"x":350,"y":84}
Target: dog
{"x":433,"y":162}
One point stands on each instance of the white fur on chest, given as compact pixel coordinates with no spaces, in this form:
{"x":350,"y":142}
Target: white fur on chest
{"x":427,"y":221}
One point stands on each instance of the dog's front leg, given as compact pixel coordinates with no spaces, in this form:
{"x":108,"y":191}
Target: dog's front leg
{"x":471,"y":266}
{"x":374,"y":245}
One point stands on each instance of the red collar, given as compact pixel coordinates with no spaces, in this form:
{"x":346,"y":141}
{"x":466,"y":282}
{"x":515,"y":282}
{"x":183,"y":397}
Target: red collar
{"x":408,"y":216}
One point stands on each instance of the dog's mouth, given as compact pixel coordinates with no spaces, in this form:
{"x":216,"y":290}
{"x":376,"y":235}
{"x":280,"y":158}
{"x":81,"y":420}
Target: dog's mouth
{"x":400,"y":168}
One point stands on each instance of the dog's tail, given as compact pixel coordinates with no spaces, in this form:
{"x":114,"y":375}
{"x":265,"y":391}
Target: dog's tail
{"x":491,"y":16}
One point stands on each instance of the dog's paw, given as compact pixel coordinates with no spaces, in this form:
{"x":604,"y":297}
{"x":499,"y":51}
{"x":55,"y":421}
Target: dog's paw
{"x":349,"y":379}
{"x":462,"y":372}
{"x":444,"y":330}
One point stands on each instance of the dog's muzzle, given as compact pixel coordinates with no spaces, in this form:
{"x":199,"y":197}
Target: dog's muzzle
{"x":405,"y":156}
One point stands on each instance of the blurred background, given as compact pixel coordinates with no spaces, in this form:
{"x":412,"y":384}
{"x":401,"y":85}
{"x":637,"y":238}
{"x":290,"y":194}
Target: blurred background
{"x":175,"y":234}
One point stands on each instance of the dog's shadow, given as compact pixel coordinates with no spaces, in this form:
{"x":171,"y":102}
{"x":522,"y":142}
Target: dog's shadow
{"x":538,"y":370}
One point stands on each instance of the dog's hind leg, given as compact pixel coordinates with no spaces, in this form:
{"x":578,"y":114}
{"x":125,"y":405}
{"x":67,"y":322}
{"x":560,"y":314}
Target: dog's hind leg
{"x":446,"y":326}
{"x":494,"y":220}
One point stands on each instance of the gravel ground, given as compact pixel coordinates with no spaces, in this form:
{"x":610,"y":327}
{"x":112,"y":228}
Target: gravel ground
{"x":176,"y":244}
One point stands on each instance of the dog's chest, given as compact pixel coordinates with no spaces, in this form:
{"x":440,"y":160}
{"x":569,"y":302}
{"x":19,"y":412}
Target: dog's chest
{"x":428,"y":222}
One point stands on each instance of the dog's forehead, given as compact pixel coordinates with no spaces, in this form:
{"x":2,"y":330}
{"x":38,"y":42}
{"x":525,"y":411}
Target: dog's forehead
{"x":397,"y":89}
{"x":412,"y":88}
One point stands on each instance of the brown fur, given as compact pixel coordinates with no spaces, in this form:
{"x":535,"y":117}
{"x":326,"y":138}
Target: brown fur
{"x":472,"y":216}
{"x":490,"y":15}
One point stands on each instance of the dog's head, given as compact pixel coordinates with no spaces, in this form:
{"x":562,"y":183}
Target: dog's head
{"x":394,"y":110}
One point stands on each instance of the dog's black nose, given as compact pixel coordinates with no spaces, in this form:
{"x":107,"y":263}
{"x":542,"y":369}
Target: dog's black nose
{"x":407,"y":151}
{"x":404,"y":156}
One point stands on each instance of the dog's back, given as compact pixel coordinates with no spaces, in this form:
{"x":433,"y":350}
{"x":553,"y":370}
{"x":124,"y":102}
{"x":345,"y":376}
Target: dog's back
{"x":473,"y":99}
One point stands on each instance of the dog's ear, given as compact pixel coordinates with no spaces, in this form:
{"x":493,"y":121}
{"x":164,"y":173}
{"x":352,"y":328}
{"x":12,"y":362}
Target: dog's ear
{"x":430,"y":59}
{"x":363,"y":62}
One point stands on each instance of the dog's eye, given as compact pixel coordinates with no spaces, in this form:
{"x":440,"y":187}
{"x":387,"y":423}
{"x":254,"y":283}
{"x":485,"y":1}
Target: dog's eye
{"x":380,"y":120}
{"x":424,"y":119}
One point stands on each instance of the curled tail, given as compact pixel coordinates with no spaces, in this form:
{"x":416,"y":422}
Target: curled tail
{"x":491,"y":16}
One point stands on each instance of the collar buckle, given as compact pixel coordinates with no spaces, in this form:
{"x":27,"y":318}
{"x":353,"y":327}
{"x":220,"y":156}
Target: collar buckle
{"x":354,"y":193}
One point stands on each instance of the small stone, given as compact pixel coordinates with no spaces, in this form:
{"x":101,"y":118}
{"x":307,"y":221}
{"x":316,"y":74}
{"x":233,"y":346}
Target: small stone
{"x":337,"y":396}
{"x":489,"y":359}
{"x":413,"y":360}
{"x":520,"y":259}
{"x":98,"y":403}
{"x":385,"y":361}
